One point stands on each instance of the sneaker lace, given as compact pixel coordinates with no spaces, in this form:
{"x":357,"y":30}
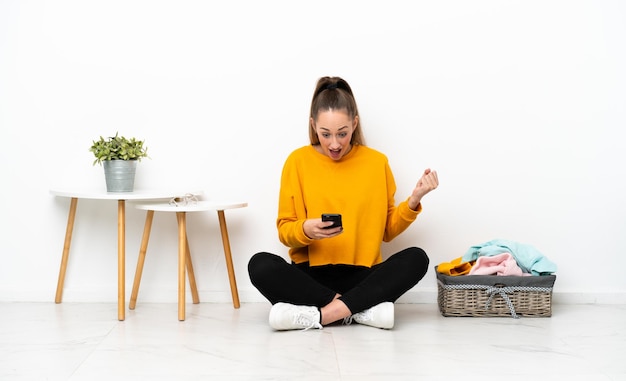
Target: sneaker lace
{"x":306,"y":322}
{"x":367,"y":315}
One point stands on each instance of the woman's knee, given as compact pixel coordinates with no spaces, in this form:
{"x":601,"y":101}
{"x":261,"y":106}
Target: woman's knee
{"x":416,"y":259}
{"x":262,"y":264}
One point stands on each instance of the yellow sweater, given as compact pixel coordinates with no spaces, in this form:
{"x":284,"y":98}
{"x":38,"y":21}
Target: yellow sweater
{"x":360,"y":187}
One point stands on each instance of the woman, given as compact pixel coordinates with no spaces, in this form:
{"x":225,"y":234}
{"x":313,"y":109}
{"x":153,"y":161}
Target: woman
{"x":338,"y":273}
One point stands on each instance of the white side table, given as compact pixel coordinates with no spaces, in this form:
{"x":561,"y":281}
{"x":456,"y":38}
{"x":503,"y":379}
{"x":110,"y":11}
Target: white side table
{"x":120,"y":197}
{"x":184,"y":257}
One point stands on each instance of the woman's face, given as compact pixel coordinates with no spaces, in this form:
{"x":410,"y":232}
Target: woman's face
{"x":334,"y":129}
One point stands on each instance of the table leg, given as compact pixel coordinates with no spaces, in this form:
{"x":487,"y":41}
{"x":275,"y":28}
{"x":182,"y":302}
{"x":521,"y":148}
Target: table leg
{"x":192,"y":277}
{"x":182,"y":249}
{"x":66,"y":249}
{"x":142,"y":258}
{"x":229,"y":258}
{"x":121,"y":259}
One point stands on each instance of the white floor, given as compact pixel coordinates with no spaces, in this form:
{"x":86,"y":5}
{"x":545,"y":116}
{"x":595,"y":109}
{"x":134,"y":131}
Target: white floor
{"x":83,"y":341}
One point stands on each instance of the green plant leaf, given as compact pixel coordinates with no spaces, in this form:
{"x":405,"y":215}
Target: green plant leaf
{"x":118,"y":148}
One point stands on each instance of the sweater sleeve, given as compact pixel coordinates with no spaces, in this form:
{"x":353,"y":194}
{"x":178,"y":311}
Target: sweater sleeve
{"x":291,"y":210}
{"x":399,"y":217}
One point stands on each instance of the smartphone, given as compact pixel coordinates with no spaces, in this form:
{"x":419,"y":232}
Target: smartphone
{"x":336,"y":218}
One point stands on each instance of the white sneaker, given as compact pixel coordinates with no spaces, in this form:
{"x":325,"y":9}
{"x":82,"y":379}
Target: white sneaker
{"x":379,"y":316}
{"x":285,"y":316}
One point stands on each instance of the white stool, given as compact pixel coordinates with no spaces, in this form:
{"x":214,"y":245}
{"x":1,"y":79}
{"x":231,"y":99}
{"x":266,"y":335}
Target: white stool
{"x":184,"y":256}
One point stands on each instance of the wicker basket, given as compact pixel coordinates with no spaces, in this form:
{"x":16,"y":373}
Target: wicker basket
{"x":494,"y":295}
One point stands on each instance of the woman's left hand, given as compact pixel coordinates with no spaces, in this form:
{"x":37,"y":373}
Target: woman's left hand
{"x":426,"y":183}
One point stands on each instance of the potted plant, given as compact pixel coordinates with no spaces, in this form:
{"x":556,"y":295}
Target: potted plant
{"x":119,"y":157}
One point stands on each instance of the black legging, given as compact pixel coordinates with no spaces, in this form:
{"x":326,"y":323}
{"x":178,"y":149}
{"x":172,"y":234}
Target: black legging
{"x":360,"y":287}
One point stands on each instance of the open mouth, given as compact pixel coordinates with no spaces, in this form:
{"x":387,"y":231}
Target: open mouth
{"x":335,"y":154}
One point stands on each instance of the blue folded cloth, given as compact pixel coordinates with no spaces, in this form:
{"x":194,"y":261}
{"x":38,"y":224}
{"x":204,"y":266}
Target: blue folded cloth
{"x":529,"y":259}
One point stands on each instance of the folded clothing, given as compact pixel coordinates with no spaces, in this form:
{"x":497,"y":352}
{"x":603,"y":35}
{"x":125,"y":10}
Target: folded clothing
{"x":455,"y":267}
{"x":499,"y":264}
{"x":529,"y":259}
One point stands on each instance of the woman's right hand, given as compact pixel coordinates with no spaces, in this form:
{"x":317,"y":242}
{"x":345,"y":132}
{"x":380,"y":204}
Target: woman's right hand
{"x":315,"y":228}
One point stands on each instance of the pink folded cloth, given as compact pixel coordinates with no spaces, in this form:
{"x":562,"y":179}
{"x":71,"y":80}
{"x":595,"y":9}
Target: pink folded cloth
{"x":499,"y":264}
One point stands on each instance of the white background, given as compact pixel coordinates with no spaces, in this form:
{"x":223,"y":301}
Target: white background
{"x":519,"y":106}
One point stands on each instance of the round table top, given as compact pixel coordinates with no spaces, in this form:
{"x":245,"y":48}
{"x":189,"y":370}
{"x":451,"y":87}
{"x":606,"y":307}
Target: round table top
{"x":197,"y":206}
{"x":98,"y":194}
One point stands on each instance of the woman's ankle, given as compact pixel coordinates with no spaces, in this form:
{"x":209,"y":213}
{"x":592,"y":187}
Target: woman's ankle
{"x":334,"y":311}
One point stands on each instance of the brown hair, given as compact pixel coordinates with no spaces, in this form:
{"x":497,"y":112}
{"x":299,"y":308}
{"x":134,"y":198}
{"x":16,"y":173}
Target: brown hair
{"x":334,"y":93}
